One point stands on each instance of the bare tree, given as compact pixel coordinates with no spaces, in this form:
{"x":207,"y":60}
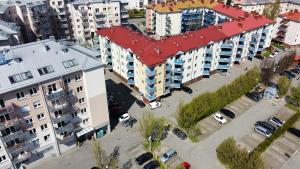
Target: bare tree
{"x":267,"y":70}
{"x":285,"y":62}
{"x":102,"y":160}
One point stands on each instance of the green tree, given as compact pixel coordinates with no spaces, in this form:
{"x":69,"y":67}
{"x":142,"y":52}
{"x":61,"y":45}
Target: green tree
{"x":295,"y":94}
{"x":272,"y":10}
{"x":283,"y":85}
{"x":102,"y":160}
{"x":151,"y":126}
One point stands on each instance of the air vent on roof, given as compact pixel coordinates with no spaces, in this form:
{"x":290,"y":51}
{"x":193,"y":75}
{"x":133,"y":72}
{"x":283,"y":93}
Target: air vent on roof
{"x":65,"y":48}
{"x":47,"y":47}
{"x":18,"y":59}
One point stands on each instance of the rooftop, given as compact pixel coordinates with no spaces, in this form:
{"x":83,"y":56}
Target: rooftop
{"x":292,"y":16}
{"x":152,"y":52}
{"x":255,"y":2}
{"x":4,"y":4}
{"x":7,"y":29}
{"x":59,"y":60}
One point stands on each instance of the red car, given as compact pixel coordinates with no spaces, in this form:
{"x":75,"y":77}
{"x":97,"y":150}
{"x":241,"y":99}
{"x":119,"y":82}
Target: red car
{"x":186,"y":165}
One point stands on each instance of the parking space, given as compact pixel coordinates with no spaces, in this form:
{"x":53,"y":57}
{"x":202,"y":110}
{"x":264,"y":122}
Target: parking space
{"x":172,"y":163}
{"x":209,"y":125}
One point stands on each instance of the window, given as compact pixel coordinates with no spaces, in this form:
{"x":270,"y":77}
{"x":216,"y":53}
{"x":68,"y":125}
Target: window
{"x":51,"y":88}
{"x":70,"y":63}
{"x":85,"y":121}
{"x":28,"y":121}
{"x":47,"y":137}
{"x":83,"y":110}
{"x":32,"y":131}
{"x":33,"y":91}
{"x":36,"y":142}
{"x":2,"y":158}
{"x":2,"y":104}
{"x":44,"y":127}
{"x":79,"y":89}
{"x":37,"y":104}
{"x":67,"y":80}
{"x":24,"y":109}
{"x":74,"y":114}
{"x":41,"y":116}
{"x":20,"y":95}
{"x":45,"y":70}
{"x":20,"y":77}
{"x":69,"y":93}
{"x":58,"y":113}
{"x":77,"y":77}
{"x":81,"y":100}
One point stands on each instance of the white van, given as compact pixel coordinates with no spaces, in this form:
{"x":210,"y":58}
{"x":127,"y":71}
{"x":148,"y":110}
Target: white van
{"x":154,"y":105}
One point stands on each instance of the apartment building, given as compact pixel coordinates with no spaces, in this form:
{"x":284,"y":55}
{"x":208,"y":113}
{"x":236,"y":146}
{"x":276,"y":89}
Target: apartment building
{"x":33,"y":16}
{"x":259,"y":5}
{"x":155,"y":67}
{"x":88,"y":16}
{"x":46,"y":106}
{"x":287,"y":28}
{"x":9,"y":35}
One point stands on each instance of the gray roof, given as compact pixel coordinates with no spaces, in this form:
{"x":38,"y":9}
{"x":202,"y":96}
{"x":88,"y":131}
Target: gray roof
{"x":4,"y":4}
{"x":34,"y":56}
{"x":254,"y":2}
{"x":7,"y":29}
{"x":83,"y":2}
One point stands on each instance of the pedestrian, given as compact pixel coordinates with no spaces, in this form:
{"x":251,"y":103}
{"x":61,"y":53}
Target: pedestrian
{"x":77,"y":144}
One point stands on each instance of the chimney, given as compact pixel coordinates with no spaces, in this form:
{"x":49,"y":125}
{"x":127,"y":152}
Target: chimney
{"x":240,"y":24}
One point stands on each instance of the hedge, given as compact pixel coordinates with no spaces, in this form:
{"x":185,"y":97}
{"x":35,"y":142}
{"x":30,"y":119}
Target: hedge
{"x":207,"y":103}
{"x":280,"y":131}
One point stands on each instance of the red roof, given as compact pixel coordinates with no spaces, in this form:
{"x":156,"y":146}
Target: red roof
{"x":293,"y":16}
{"x":233,"y":12}
{"x":152,"y":52}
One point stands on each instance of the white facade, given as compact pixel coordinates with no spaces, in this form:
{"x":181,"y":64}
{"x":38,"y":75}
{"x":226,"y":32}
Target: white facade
{"x":287,"y":31}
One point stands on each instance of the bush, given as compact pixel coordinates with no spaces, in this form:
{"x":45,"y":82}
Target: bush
{"x":283,"y":85}
{"x":207,"y":103}
{"x":134,"y":13}
{"x":268,"y":141}
{"x":234,"y":158}
{"x":295,"y":94}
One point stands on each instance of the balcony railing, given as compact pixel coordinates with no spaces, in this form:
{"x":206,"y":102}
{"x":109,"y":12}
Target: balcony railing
{"x":227,"y":45}
{"x":176,"y":85}
{"x":150,"y":97}
{"x":168,"y":67}
{"x":207,"y":65}
{"x":177,"y":70}
{"x":66,"y":128}
{"x":130,"y":74}
{"x":9,"y":123}
{"x":130,"y":67}
{"x":226,"y":53}
{"x":223,"y":66}
{"x":12,"y":136}
{"x":129,"y":58}
{"x":208,"y":59}
{"x":18,"y":147}
{"x":224,"y":59}
{"x":21,"y":158}
{"x":168,"y":83}
{"x":150,"y":89}
{"x":8,"y":108}
{"x":176,"y":77}
{"x":150,"y":81}
{"x":178,"y":62}
{"x":206,"y":72}
{"x":130,"y":82}
{"x":150,"y":72}
{"x":56,"y":94}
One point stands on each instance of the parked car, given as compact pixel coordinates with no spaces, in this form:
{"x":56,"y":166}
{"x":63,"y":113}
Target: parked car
{"x":152,"y":165}
{"x":295,"y":71}
{"x":164,"y":134}
{"x":168,"y":155}
{"x":141,"y":159}
{"x":130,"y":122}
{"x":271,"y":84}
{"x":220,"y":118}
{"x":187,"y":89}
{"x":266,"y":125}
{"x":179,"y":133}
{"x":288,"y":74}
{"x":124,"y":117}
{"x":154,"y":105}
{"x":294,"y":131}
{"x":253,"y":96}
{"x":140,"y":103}
{"x":227,"y":113}
{"x":263,"y":131}
{"x":186,"y":165}
{"x":275,"y":121}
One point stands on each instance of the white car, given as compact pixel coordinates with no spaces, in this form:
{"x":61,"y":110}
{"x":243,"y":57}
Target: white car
{"x":154,"y":105}
{"x":124,"y":117}
{"x":220,"y":118}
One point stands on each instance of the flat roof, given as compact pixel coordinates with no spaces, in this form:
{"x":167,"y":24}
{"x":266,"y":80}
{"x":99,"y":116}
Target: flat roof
{"x":36,"y":55}
{"x":152,"y":52}
{"x":292,"y":16}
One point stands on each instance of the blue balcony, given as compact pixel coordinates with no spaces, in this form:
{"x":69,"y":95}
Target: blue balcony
{"x":150,"y":72}
{"x":237,"y":59}
{"x":150,"y":81}
{"x":176,"y":85}
{"x":226,"y":53}
{"x":109,"y":66}
{"x":130,"y":67}
{"x":265,"y":31}
{"x":168,"y":75}
{"x":208,"y":59}
{"x":150,"y":89}
{"x":206,"y":72}
{"x":227,"y":45}
{"x":177,"y":70}
{"x":129,"y":58}
{"x":241,"y":46}
{"x":150,"y":97}
{"x":176,"y":77}
{"x":130,"y":81}
{"x":223,"y":67}
{"x":252,"y":49}
{"x":263,"y":37}
{"x":253,"y":41}
{"x":260,"y":49}
{"x":242,"y":39}
{"x":130,"y":74}
{"x":167,"y":90}
{"x":168,"y":67}
{"x":168,"y":83}
{"x":224,"y":60}
{"x":209,"y":51}
{"x":207,"y":65}
{"x":178,"y":62}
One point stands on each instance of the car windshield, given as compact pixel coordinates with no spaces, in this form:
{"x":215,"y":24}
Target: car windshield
{"x":165,"y":155}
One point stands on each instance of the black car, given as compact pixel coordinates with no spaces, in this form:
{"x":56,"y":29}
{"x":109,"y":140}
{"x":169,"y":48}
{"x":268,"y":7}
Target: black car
{"x":271,"y":84}
{"x":253,"y":96}
{"x":294,"y":131}
{"x":141,"y":159}
{"x":288,"y":74}
{"x":266,"y":125}
{"x":179,"y":133}
{"x":130,"y":122}
{"x":140,"y":103}
{"x":152,"y":165}
{"x":187,"y":90}
{"x":228,"y":113}
{"x":295,"y":71}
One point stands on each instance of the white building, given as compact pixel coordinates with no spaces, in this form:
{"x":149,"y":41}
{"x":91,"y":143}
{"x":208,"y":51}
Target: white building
{"x":52,"y":94}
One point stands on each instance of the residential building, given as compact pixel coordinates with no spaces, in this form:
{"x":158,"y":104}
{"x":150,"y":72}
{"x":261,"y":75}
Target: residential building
{"x":154,"y":67}
{"x":259,"y":5}
{"x":9,"y":35}
{"x":33,"y":16}
{"x":287,"y":28}
{"x":52,"y":94}
{"x":88,"y":16}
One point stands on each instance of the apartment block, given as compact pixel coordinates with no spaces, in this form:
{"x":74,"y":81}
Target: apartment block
{"x":33,"y":16}
{"x":287,"y":28}
{"x":155,"y":67}
{"x":10,"y":35}
{"x":46,"y":106}
{"x":88,"y":16}
{"x":259,"y":5}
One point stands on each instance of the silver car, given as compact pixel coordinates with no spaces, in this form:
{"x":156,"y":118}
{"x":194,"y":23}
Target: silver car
{"x":168,"y":155}
{"x":275,"y":121}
